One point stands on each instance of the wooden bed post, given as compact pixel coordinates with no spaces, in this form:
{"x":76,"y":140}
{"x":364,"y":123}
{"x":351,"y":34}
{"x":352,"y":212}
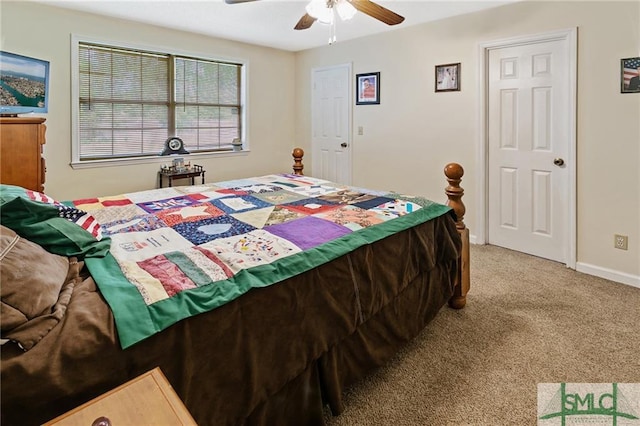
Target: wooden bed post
{"x":298,"y":153}
{"x":454,"y":173}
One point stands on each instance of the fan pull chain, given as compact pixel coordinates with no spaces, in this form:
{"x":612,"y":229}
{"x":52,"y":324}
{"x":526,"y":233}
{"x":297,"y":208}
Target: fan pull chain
{"x":332,"y":27}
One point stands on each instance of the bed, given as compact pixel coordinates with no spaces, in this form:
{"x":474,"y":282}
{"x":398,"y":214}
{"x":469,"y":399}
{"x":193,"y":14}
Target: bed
{"x":274,"y":352}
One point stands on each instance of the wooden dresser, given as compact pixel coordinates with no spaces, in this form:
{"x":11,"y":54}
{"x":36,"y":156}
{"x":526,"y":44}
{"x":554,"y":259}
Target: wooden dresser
{"x":21,"y":161}
{"x":148,"y":399}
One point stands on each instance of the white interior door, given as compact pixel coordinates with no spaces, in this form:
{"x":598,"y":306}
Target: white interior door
{"x":528,"y":148}
{"x":331,"y":123}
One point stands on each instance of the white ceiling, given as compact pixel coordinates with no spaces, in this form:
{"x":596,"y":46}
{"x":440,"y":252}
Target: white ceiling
{"x":268,"y":22}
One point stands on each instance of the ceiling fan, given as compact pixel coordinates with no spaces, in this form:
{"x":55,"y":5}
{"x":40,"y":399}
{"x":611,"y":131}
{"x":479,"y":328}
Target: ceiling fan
{"x":325,"y":10}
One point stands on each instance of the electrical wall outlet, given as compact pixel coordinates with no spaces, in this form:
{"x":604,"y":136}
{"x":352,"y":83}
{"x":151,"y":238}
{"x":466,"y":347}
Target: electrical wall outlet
{"x":620,"y":242}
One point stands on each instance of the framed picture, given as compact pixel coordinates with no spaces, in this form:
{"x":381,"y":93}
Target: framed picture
{"x":630,"y":75}
{"x":368,"y":88}
{"x":448,"y":77}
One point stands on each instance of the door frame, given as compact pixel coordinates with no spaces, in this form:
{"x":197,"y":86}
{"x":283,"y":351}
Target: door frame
{"x":570,"y":37}
{"x":349,"y":112}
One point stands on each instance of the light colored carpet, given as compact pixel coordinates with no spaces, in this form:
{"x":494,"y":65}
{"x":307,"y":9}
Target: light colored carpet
{"x":527,"y":321}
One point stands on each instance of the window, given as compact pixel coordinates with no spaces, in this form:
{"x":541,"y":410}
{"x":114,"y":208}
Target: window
{"x":130,"y":101}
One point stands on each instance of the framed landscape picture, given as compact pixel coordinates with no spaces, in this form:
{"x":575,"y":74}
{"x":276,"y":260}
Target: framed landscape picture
{"x":368,"y":88}
{"x":25,"y":84}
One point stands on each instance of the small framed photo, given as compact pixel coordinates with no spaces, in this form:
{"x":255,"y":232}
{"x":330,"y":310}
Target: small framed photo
{"x":448,"y":77}
{"x":368,"y":88}
{"x":630,"y":75}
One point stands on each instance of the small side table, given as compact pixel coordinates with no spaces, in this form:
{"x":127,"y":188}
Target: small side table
{"x":148,"y":399}
{"x":172,"y":174}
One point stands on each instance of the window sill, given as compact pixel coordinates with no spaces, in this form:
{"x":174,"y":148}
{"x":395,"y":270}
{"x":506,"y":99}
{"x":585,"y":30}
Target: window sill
{"x":119,"y":162}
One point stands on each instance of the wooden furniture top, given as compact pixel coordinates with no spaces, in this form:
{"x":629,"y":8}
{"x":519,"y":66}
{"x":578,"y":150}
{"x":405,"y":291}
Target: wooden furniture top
{"x":22,"y":120}
{"x":148,"y":399}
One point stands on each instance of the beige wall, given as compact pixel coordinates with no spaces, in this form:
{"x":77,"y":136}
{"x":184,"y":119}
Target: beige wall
{"x":271,"y":96}
{"x":414,"y":132}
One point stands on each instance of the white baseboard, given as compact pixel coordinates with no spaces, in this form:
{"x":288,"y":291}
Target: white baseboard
{"x":598,"y":271}
{"x":609,"y":274}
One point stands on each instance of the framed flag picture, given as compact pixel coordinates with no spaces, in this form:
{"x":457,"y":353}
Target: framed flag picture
{"x":630,"y":75}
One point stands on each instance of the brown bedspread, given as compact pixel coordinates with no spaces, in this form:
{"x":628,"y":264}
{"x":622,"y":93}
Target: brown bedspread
{"x":249,"y":361}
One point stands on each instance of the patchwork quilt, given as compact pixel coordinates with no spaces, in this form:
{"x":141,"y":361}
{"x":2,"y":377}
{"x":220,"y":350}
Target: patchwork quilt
{"x":180,"y":251}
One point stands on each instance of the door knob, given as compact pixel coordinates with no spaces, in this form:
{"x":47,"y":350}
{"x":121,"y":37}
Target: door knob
{"x":558,"y":162}
{"x":343,"y":144}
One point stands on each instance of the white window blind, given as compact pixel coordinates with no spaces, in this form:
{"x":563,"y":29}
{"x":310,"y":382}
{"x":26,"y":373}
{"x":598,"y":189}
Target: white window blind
{"x":207,"y":103}
{"x":131,"y":101}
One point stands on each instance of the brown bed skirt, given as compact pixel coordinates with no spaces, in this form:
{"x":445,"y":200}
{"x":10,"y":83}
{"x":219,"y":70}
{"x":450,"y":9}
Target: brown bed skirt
{"x":276,"y":355}
{"x":373,"y":343}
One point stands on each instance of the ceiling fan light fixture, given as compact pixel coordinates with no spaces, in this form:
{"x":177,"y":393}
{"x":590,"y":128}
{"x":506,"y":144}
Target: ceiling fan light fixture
{"x":321,"y":11}
{"x":345,"y":9}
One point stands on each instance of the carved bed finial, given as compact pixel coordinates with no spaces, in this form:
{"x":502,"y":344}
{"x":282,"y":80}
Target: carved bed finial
{"x":298,"y":153}
{"x":454,"y":173}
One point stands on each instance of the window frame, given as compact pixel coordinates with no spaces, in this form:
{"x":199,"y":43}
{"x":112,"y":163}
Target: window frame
{"x":77,"y":163}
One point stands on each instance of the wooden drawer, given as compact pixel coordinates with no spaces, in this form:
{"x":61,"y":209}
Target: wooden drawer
{"x":21,"y":143}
